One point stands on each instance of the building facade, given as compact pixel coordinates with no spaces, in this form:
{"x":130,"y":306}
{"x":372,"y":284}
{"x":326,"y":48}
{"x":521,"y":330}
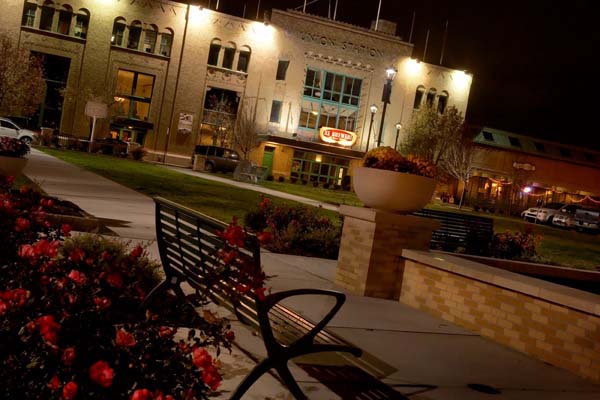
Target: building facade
{"x":176,"y":75}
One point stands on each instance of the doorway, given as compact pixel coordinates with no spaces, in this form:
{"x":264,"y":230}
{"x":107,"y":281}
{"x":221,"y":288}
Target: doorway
{"x":56,"y":74}
{"x":267,"y":161}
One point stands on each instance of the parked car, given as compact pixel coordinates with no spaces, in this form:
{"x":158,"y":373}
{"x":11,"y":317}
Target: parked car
{"x":544,"y":214}
{"x":587,"y":220}
{"x":10,"y":129}
{"x":566,"y":217}
{"x":215,"y":158}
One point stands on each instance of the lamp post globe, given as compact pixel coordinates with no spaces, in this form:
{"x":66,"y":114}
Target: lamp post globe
{"x":373,"y":110}
{"x":398,"y":127}
{"x":390,"y":74}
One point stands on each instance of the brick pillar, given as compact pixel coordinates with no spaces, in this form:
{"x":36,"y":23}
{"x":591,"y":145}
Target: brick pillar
{"x":370,"y":261}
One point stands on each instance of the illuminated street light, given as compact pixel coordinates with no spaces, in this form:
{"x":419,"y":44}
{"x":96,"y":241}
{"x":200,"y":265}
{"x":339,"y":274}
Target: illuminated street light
{"x":398,"y":127}
{"x":390,"y":74}
{"x":373,"y":110}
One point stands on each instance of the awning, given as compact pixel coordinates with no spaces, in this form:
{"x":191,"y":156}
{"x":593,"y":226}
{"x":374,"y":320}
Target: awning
{"x":133,"y":123}
{"x":316,"y":147}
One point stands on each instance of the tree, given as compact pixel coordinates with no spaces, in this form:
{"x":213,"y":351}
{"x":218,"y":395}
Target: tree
{"x":245,"y":134}
{"x":431,"y":134}
{"x":22,"y":83}
{"x":221,"y":116}
{"x":458,"y":162}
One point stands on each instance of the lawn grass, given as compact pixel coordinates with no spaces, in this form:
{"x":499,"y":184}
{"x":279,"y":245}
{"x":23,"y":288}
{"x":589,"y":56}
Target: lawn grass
{"x":216,"y":199}
{"x":219,"y":200}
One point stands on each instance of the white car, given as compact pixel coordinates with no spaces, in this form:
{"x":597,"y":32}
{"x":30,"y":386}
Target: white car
{"x":566,"y":217}
{"x":544,"y":214}
{"x":10,"y":129}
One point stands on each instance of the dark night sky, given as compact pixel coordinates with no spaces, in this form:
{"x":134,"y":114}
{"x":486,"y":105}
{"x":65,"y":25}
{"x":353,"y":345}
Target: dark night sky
{"x":532,"y":61}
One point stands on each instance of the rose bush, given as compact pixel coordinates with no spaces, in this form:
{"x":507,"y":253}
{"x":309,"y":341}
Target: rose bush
{"x":12,"y":147}
{"x":385,"y":157}
{"x":516,"y":245}
{"x":71,"y":325}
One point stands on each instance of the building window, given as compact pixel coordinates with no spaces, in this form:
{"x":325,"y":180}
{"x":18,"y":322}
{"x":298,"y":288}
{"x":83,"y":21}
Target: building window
{"x":243,"y":59}
{"x":589,"y":157}
{"x":135,"y":34}
{"x":213,"y":52}
{"x":540,"y":147}
{"x":133,"y":94}
{"x":442,"y":102}
{"x":82,"y":21}
{"x":150,"y":39}
{"x":515,"y":142}
{"x":419,"y":97}
{"x":166,"y":40}
{"x":331,"y":102}
{"x":118,"y":34}
{"x":313,"y":167}
{"x":275,"y":111}
{"x":228,"y":56}
{"x":565,"y":152}
{"x":64,"y":20}
{"x":47,"y":16}
{"x":282,"y":68}
{"x":29,"y":15}
{"x":431,"y":97}
{"x":488,"y":136}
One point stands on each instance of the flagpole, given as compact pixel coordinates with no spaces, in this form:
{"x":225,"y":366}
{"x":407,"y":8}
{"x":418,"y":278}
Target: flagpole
{"x":378,"y":11}
{"x":335,"y":10}
{"x":304,"y":7}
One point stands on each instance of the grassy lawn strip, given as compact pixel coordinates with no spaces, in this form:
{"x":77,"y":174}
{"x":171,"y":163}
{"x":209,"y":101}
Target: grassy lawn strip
{"x":336,"y":197}
{"x":216,"y":199}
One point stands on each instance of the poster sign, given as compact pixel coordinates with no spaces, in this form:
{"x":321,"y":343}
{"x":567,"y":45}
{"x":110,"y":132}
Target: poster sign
{"x":186,"y":120}
{"x":337,"y":136}
{"x":96,"y":109}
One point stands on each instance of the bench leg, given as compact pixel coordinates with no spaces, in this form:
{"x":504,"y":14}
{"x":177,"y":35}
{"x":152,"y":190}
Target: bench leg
{"x":155,"y":290}
{"x":258,"y":371}
{"x":290,"y":382}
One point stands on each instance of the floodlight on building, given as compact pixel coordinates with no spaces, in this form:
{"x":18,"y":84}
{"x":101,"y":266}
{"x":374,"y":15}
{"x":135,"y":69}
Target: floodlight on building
{"x":527,"y":189}
{"x":461,"y":79}
{"x":263,"y":31}
{"x":198,"y":14}
{"x":413,"y":66}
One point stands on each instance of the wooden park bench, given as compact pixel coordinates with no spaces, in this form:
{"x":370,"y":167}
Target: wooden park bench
{"x":188,"y":245}
{"x":246,"y":171}
{"x":468,"y":233}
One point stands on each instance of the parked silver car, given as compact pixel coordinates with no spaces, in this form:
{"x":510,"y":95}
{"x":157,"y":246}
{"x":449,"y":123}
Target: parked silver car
{"x":566,"y":217}
{"x":587,"y":220}
{"x":544,"y":214}
{"x":10,"y":129}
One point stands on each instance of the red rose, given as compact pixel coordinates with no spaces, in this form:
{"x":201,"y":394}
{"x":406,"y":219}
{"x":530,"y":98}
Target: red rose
{"x":68,"y":356}
{"x":115,"y":280}
{"x":21,"y":224}
{"x":211,"y":377}
{"x":106,"y":256}
{"x":201,"y":358}
{"x":137,"y":251}
{"x":264,"y":237}
{"x":102,"y":303}
{"x":24,"y":189}
{"x":26,"y":251}
{"x":3,"y":307}
{"x":46,"y":248}
{"x":65,"y":229}
{"x":102,"y":374}
{"x":54,"y":383}
{"x":166,"y":332}
{"x":48,"y":328}
{"x":124,"y":339}
{"x":260,"y":293}
{"x":76,"y":255}
{"x":230,"y":336}
{"x":141,"y":394}
{"x":70,"y":391}
{"x":228,"y":256}
{"x":77,"y":277}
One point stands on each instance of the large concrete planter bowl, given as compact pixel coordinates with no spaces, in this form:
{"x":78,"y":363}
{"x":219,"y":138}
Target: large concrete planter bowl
{"x":392,"y":191}
{"x":12,"y":166}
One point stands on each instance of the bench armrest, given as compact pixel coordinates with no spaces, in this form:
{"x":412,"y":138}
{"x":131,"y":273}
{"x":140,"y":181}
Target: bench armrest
{"x":263,"y":307}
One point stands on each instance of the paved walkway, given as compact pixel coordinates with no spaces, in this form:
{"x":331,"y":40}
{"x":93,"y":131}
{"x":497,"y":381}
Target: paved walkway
{"x":427,"y":358}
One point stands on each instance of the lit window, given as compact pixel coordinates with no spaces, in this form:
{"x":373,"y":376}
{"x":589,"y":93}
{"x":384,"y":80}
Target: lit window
{"x":166,"y":40}
{"x":228,"y":56}
{"x":515,"y":142}
{"x":282,"y":67}
{"x":82,"y":21}
{"x":419,"y":97}
{"x":243,"y":59}
{"x":275,"y":111}
{"x":213,"y":52}
{"x":64,"y":20}
{"x":135,"y":34}
{"x":133,"y":94}
{"x":29,"y":15}
{"x":118,"y":32}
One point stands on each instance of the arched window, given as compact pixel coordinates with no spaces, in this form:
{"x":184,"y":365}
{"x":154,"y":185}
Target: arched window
{"x":82,"y":20}
{"x":47,"y":16}
{"x":442,"y":102}
{"x":419,"y":97}
{"x":118,"y":35}
{"x":150,"y":35}
{"x":29,"y":14}
{"x":135,"y":34}
{"x":431,"y":97}
{"x":65,"y":15}
{"x":244,"y":59}
{"x":166,"y":41}
{"x":213,"y":52}
{"x":228,"y":55}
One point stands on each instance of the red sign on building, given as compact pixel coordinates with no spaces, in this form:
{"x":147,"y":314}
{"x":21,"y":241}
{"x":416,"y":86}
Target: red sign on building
{"x":337,"y":136}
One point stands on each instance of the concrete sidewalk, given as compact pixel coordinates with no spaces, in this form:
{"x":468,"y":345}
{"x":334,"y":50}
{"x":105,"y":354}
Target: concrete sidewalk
{"x":428,"y":358}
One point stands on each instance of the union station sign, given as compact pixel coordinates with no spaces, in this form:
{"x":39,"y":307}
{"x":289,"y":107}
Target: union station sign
{"x":337,"y":136}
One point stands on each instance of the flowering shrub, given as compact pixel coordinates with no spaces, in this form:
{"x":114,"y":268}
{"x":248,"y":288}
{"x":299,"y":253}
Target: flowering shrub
{"x":515,"y":245}
{"x":12,"y":147}
{"x":295,"y":230}
{"x":389,"y":159}
{"x":69,"y":321}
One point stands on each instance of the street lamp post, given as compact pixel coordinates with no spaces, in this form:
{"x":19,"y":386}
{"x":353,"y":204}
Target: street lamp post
{"x":398,"y":127}
{"x":373,"y":110}
{"x":390,"y":74}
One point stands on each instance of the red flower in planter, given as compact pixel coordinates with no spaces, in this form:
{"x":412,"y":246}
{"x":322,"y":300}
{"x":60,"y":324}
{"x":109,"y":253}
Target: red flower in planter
{"x":70,"y":391}
{"x":137,"y":251}
{"x":102,"y":374}
{"x":3,"y":308}
{"x":49,"y":328}
{"x":124,"y":339}
{"x":68,"y":356}
{"x":46,"y":248}
{"x":65,"y":229}
{"x":228,"y":256}
{"x":76,"y":255}
{"x":201,"y":358}
{"x":234,"y":234}
{"x":22,"y":224}
{"x":102,"y":303}
{"x":77,"y":277}
{"x":166,"y":332}
{"x":141,"y":394}
{"x":54,"y":383}
{"x":264,"y":237}
{"x":115,"y":280}
{"x":230,"y":336}
{"x":211,"y":377}
{"x":26,"y":251}
{"x":106,"y":256}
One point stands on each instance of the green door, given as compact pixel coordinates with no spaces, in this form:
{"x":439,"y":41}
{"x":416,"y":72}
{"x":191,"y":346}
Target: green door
{"x":268,"y":159}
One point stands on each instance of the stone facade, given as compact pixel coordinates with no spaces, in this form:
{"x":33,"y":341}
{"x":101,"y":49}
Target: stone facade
{"x":552,"y":331}
{"x":183,"y":77}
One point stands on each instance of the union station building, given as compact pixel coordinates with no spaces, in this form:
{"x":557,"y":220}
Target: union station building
{"x":176,"y":75}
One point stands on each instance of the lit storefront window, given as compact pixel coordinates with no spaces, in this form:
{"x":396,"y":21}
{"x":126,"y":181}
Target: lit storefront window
{"x":313,"y":167}
{"x":134,"y":94}
{"x":330,"y":100}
